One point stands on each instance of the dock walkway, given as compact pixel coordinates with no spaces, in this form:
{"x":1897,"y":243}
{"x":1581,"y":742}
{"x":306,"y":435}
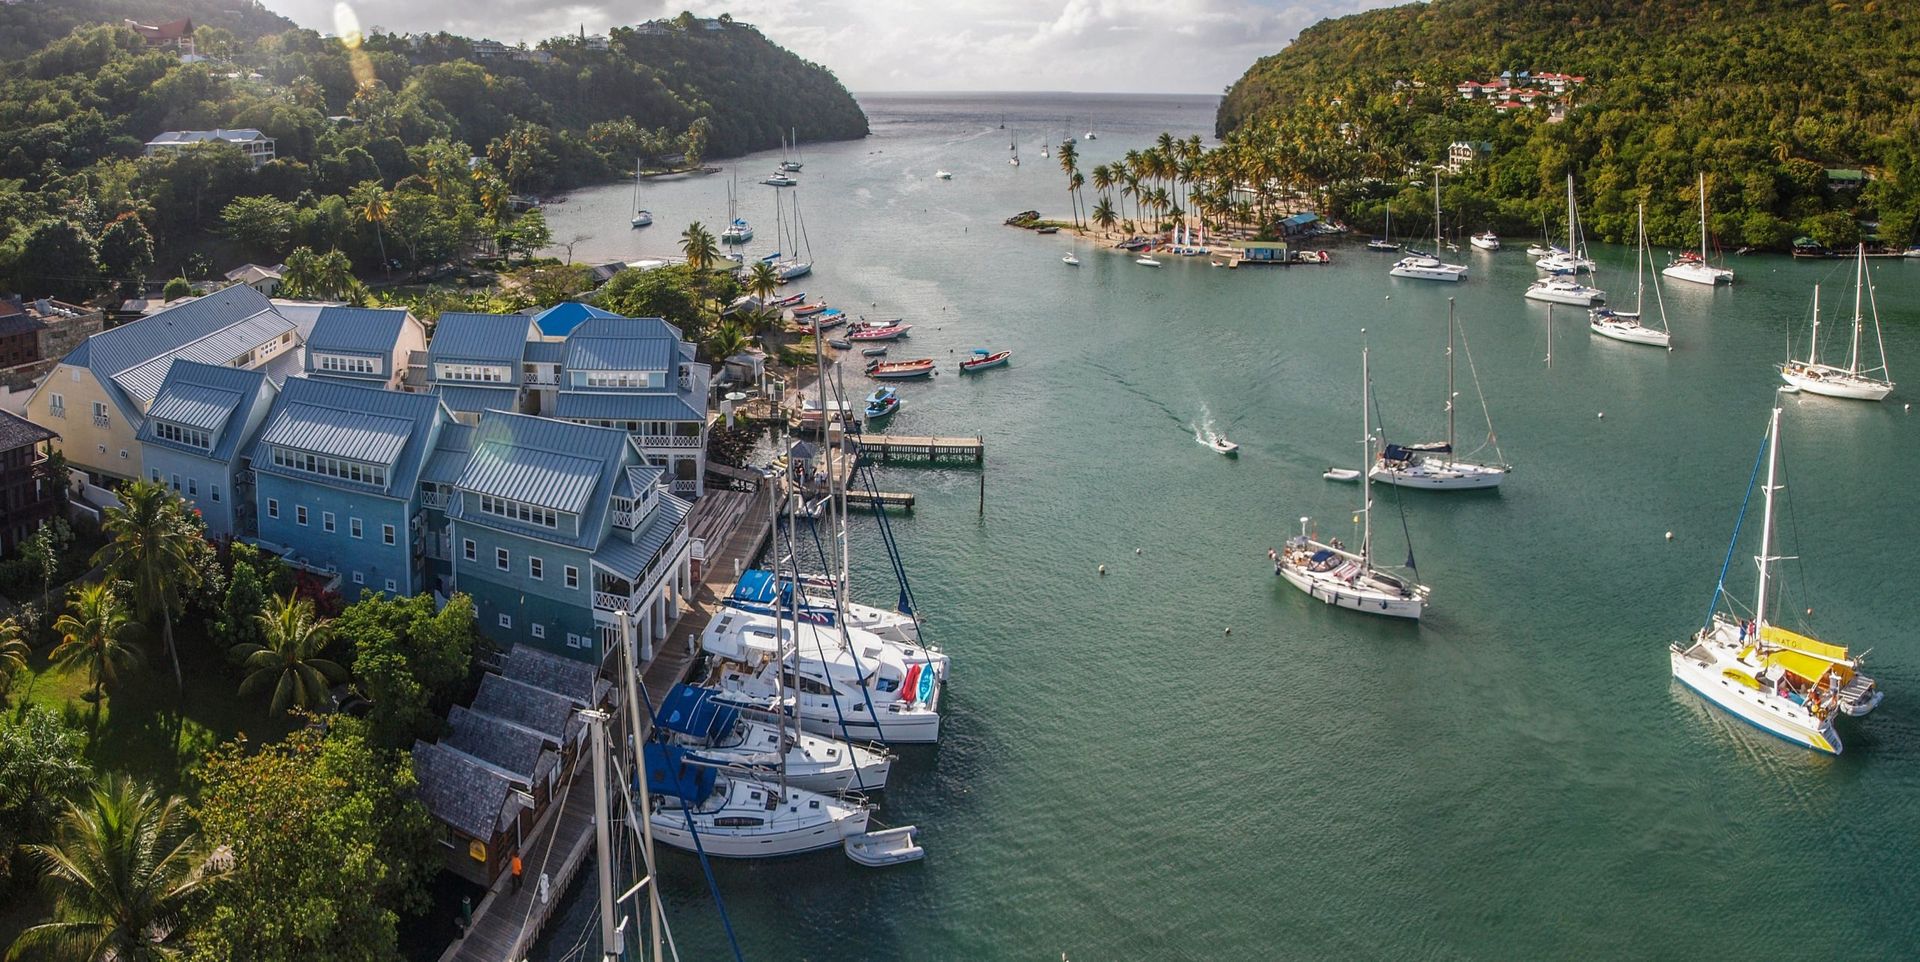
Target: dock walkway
{"x":902,"y":447}
{"x":736,"y":528}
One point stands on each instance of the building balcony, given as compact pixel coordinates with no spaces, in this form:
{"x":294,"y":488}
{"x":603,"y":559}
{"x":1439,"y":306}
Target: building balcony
{"x":101,"y":421}
{"x":433,"y":499}
{"x":671,"y":440}
{"x":539,"y":379}
{"x":685,"y":487}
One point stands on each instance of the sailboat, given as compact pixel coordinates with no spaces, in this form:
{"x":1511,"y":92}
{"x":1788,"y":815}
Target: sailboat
{"x":1852,"y":381}
{"x":641,"y":216}
{"x":1432,"y":465}
{"x":1385,"y":243}
{"x":1328,"y":571}
{"x":1782,"y":682}
{"x":698,"y":719}
{"x":1573,"y":259}
{"x":1631,"y":327}
{"x":1013,"y":145}
{"x":1428,"y":267}
{"x":796,"y":266}
{"x":794,"y":164}
{"x":737,"y":231}
{"x":1545,"y":246}
{"x":1692,"y":266}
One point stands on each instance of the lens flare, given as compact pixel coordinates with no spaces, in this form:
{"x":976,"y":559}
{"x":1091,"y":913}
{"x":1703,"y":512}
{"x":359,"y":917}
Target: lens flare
{"x":346,"y":25}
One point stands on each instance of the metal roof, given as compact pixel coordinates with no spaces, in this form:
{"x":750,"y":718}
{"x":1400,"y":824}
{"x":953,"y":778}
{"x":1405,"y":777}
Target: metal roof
{"x":160,"y":335}
{"x":342,"y":434}
{"x":482,"y":338}
{"x":214,"y":397}
{"x":545,"y":352}
{"x":357,"y":330}
{"x":545,"y":478}
{"x":629,"y":558}
{"x":142,"y":381}
{"x":609,"y":406}
{"x":328,"y":412}
{"x":474,"y":400}
{"x":201,"y":407}
{"x":560,"y":319}
{"x":449,"y":457}
{"x":544,"y":461}
{"x":613,"y":325}
{"x":626,"y":353}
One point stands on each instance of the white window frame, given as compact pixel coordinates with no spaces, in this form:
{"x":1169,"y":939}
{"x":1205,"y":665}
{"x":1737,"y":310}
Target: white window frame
{"x":327,"y":522}
{"x":359,"y":579}
{"x":386,"y":534}
{"x":536,"y":568}
{"x":57,"y":402}
{"x":273,"y":507}
{"x":503,"y":559}
{"x":469,"y":550}
{"x":214,"y":490}
{"x":506,"y":621}
{"x":573,"y":576}
{"x":193,"y":487}
{"x":354,"y":528}
{"x":539,"y":630}
{"x":393,"y":587}
{"x":300,"y":515}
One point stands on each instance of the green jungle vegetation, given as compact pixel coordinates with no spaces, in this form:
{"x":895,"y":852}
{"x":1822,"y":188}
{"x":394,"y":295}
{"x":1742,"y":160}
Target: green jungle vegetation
{"x":1764,"y":96}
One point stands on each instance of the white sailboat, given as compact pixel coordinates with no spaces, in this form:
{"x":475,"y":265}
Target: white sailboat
{"x":1783,"y":682}
{"x":715,"y":735}
{"x":641,"y":216}
{"x":1631,"y":326}
{"x":1433,"y":465}
{"x":1692,"y":266}
{"x":1328,"y":571}
{"x":737,"y":231}
{"x":1385,"y":243}
{"x":1852,"y":381}
{"x":1428,"y":267}
{"x":1573,"y":259}
{"x":794,"y":164}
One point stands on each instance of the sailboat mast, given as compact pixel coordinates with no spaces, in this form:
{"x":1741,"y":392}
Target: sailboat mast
{"x":1571,"y":217}
{"x":1640,"y":264}
{"x":1701,"y":189}
{"x":1366,"y":459}
{"x":1436,"y":213}
{"x":1450,"y":390}
{"x":1813,"y":341}
{"x":1766,"y":523}
{"x":630,"y":675}
{"x":1859,"y":285}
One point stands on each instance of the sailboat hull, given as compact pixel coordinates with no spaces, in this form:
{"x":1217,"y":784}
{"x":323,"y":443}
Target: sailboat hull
{"x":1694,"y":272}
{"x":1632,"y":333}
{"x":1835,"y":382}
{"x":1326,"y":589}
{"x":1714,"y":674}
{"x":1432,"y":475}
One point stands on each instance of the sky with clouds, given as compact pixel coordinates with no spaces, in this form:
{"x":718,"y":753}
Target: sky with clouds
{"x":1171,"y":46}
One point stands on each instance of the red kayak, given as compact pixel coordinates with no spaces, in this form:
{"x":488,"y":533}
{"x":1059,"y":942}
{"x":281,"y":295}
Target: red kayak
{"x":922,"y":367}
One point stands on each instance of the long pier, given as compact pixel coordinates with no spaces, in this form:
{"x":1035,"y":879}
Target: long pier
{"x":902,"y":447}
{"x":736,"y":527}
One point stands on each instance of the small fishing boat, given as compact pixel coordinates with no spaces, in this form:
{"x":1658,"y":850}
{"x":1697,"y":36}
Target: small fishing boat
{"x":1146,"y":260}
{"x":780,"y":179}
{"x":1340,"y":474}
{"x":841,"y":343}
{"x":832,"y":317}
{"x":882,"y":403}
{"x":893,"y":846}
{"x":900,"y":370}
{"x":1046,"y":230}
{"x":884,"y":332}
{"x":1070,"y":260}
{"x":943,"y":174}
{"x":1486,"y":241}
{"x":880,"y":351}
{"x":788,"y":301}
{"x":983,"y":359}
{"x":807,"y":310}
{"x":1221,"y":445}
{"x":642,"y":218}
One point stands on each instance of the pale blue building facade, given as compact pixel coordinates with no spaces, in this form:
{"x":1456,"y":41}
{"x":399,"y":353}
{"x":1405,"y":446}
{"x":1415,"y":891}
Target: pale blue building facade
{"x":195,"y":434}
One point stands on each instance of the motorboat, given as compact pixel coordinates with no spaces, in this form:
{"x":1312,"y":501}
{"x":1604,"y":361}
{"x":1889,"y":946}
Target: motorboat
{"x":1692,"y":266}
{"x":1221,"y":445}
{"x":1786,"y":683}
{"x":943,"y":174}
{"x":1070,"y":260}
{"x":641,"y":218}
{"x":982,"y":359}
{"x":900,"y":370}
{"x":1561,"y":289}
{"x":1382,"y":245}
{"x":789,"y":300}
{"x":1427,"y":267}
{"x":1486,"y":241}
{"x":698,"y":809}
{"x":880,"y":332}
{"x":1340,"y":474}
{"x":805,"y":310}
{"x":1146,"y":260}
{"x":839,"y":343}
{"x":880,"y":351}
{"x":779,"y":179}
{"x":892,"y":846}
{"x":1855,"y":380}
{"x":714,"y":734}
{"x":882,"y":403}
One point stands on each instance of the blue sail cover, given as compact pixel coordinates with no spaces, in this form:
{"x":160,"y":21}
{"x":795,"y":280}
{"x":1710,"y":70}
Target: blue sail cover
{"x":692,"y":710}
{"x":757,"y":585}
{"x":669,"y":774}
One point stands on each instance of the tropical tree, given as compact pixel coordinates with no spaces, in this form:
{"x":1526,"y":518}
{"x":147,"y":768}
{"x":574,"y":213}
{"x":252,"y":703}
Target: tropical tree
{"x":728,"y":339}
{"x":123,"y":869}
{"x":1103,"y":214}
{"x":370,"y":204}
{"x":317,"y":276}
{"x":150,"y":547}
{"x":289,"y":659}
{"x":93,"y":635}
{"x":40,"y":767}
{"x":763,"y":281}
{"x":13,"y":650}
{"x":696,"y":242}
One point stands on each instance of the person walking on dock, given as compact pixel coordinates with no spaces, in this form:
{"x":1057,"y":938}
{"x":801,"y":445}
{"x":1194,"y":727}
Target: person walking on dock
{"x":516,"y":871}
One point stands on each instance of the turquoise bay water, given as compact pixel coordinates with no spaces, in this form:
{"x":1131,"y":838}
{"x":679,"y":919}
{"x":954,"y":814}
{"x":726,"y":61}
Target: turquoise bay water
{"x":1516,"y":777}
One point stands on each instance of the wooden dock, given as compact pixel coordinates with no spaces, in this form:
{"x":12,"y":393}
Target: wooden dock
{"x":736,"y":527}
{"x":901,"y":447}
{"x":880,"y":499}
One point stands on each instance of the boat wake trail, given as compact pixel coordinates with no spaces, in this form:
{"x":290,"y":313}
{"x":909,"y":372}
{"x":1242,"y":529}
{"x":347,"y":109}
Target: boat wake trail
{"x":1136,"y":391}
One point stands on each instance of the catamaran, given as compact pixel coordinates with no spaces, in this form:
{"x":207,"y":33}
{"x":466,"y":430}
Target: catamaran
{"x":1328,"y":571}
{"x":1573,"y":259}
{"x":1428,"y":267}
{"x":1631,"y":326}
{"x":1433,"y":465}
{"x":1852,"y":381}
{"x":1692,"y":266}
{"x":868,"y":691}
{"x":1783,"y":682}
{"x":737,"y":231}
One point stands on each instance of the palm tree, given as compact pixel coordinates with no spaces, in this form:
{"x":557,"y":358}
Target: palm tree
{"x":697,"y":243}
{"x":762,"y":281}
{"x":149,"y":540}
{"x":1070,"y":165}
{"x":123,"y":869}
{"x":728,"y":339}
{"x":1075,"y":181}
{"x":93,"y":636}
{"x":370,"y":204}
{"x":13,"y":650}
{"x":290,"y":660}
{"x":1103,"y":214}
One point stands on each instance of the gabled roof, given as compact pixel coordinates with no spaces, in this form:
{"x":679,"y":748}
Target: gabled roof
{"x":349,"y":421}
{"x":220,"y":347}
{"x":542,"y":461}
{"x":639,"y":353}
{"x":610,"y":406}
{"x":498,"y":743}
{"x":449,"y":457}
{"x":629,"y":558}
{"x":357,"y":330}
{"x":560,"y":319}
{"x":18,"y":432}
{"x":565,"y":676}
{"x":173,"y":138}
{"x":470,"y":399}
{"x":479,"y":338}
{"x":212,"y":397}
{"x":250,"y":273}
{"x":162,"y":335}
{"x":613,"y":325}
{"x":460,"y":791}
{"x":535,"y":709}
{"x":545,"y":352}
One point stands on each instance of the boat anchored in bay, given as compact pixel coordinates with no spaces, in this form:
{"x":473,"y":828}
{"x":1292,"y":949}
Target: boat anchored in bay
{"x":1433,"y":465}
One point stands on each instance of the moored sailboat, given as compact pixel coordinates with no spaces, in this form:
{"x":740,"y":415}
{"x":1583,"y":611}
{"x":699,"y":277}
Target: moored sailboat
{"x":1434,"y":465}
{"x":1692,"y":266}
{"x":1853,"y":381}
{"x":1428,"y":267}
{"x":1631,"y":326}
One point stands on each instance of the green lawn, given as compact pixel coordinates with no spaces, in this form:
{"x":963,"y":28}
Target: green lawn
{"x":146,"y":726}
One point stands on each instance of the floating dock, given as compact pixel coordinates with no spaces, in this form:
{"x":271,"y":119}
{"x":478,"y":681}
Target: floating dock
{"x":901,"y":447}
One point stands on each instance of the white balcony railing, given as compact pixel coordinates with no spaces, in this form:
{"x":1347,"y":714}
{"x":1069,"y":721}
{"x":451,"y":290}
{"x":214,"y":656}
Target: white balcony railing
{"x":536,"y":377}
{"x":100,"y":421}
{"x":609,"y":601}
{"x":624,"y":519}
{"x":669,"y":440}
{"x":688,"y":486}
{"x":433,"y":499}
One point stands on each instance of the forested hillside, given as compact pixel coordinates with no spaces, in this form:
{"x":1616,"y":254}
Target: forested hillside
{"x":372,"y":139}
{"x":1763,"y":95}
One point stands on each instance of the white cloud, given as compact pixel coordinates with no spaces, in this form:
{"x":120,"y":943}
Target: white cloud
{"x":1170,"y":46}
